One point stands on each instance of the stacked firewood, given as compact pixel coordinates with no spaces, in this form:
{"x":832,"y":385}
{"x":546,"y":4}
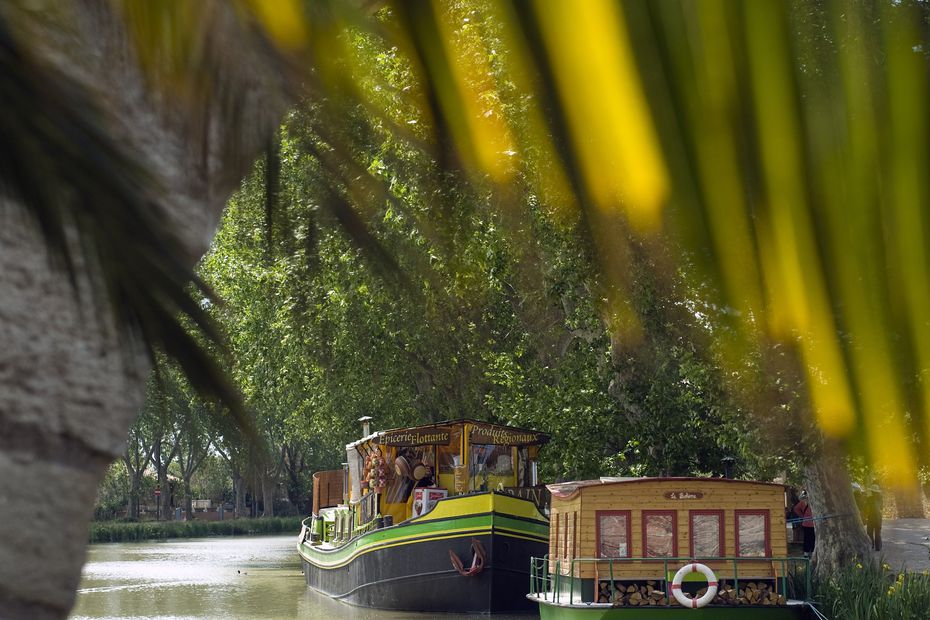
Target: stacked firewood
{"x":632,"y":594}
{"x":749,"y":593}
{"x":652,"y":593}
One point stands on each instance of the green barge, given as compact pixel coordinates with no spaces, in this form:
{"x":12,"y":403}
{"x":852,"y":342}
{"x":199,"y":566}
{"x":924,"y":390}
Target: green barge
{"x":438,"y":518}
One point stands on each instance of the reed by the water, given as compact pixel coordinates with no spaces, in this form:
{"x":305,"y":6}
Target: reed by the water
{"x":116,"y":531}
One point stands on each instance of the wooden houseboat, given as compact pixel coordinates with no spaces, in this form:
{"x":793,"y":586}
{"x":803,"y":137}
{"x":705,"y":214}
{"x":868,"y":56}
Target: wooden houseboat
{"x":694,"y":547}
{"x":436,"y":518}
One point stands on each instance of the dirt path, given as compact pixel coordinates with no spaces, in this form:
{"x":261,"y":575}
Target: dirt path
{"x":906,"y":543}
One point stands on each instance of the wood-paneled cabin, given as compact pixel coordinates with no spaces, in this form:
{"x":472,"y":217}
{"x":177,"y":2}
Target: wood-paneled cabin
{"x":647,"y":520}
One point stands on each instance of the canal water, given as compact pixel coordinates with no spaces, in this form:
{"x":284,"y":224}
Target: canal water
{"x":236,"y":578}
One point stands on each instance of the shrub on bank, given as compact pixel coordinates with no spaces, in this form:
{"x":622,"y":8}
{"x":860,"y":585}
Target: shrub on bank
{"x":871,"y":591}
{"x":101,"y":531}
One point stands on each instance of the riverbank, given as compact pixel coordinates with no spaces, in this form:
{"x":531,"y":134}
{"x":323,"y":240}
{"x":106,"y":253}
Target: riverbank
{"x":109,"y":531}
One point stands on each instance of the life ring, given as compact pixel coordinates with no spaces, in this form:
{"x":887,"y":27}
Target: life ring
{"x":686,"y":600}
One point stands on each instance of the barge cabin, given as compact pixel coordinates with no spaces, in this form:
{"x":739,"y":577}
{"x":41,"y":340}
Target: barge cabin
{"x":619,"y":543}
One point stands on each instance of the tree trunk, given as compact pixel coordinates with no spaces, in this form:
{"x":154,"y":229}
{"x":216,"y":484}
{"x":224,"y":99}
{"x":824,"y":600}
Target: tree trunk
{"x":239,"y":488}
{"x":841,"y":539}
{"x":132,"y":507}
{"x":256,"y":486}
{"x":163,"y":502}
{"x":70,"y":385}
{"x":67,"y":398}
{"x":294,"y":464}
{"x":188,"y":501}
{"x":268,"y":488}
{"x":156,"y":458}
{"x":909,"y":502}
{"x":231,"y":456}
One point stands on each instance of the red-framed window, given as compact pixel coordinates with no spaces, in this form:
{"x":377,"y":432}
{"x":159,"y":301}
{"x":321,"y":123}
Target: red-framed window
{"x":660,"y":534}
{"x":613,"y":533}
{"x":705,"y":534}
{"x":753,"y":539}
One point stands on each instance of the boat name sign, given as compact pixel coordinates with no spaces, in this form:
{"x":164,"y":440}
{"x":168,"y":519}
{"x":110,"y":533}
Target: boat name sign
{"x":419,"y":437}
{"x":489,"y":434}
{"x":684,"y":495}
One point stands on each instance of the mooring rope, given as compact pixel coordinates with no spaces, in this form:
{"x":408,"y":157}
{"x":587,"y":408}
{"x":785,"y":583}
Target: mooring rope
{"x":794,"y":520}
{"x":817,"y":612}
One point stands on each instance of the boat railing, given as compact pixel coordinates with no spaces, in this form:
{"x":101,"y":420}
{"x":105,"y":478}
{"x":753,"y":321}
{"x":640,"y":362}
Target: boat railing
{"x":559,"y":581}
{"x":341,"y":524}
{"x":365,"y":513}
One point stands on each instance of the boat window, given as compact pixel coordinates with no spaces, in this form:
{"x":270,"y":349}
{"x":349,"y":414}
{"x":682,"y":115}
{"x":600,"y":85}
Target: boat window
{"x":752,"y":527}
{"x":399,"y":484}
{"x":523,"y":467}
{"x":613,"y":533}
{"x":659,"y":532}
{"x":414,"y":466}
{"x":367,"y":509}
{"x":706,"y":533}
{"x":356,"y":465}
{"x":487,"y":460}
{"x":450,"y":456}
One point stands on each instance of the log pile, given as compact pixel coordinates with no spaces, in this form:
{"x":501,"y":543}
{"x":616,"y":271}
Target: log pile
{"x":749,"y":593}
{"x":632,"y":594}
{"x":652,"y":593}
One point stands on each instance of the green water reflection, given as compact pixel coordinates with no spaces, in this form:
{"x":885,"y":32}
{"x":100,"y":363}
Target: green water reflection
{"x":246,"y":577}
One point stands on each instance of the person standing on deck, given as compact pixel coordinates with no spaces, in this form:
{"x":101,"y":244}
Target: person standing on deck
{"x":803,"y":510}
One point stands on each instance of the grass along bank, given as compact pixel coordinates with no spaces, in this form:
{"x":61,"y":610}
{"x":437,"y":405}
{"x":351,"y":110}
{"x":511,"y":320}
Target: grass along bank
{"x":110,"y":531}
{"x":872,"y":591}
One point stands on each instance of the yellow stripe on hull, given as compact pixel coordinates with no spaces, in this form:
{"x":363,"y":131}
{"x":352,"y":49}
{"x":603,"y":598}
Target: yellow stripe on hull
{"x":463,"y":505}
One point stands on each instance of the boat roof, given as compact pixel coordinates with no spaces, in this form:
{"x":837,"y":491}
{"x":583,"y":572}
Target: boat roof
{"x":567,"y":489}
{"x":541,"y":437}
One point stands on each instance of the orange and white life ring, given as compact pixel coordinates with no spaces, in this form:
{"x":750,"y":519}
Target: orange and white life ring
{"x":686,"y":600}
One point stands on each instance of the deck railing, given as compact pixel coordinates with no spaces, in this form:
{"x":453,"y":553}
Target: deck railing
{"x":343,"y":522}
{"x":548,"y":582}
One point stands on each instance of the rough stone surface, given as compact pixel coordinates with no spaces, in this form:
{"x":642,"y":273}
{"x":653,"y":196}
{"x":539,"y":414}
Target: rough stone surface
{"x":70,"y":386}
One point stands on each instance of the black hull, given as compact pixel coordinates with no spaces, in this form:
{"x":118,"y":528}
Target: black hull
{"x":419,"y":576}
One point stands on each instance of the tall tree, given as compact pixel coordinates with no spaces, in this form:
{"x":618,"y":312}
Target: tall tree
{"x":192,"y":435}
{"x":137,"y":458}
{"x":158,"y":417}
